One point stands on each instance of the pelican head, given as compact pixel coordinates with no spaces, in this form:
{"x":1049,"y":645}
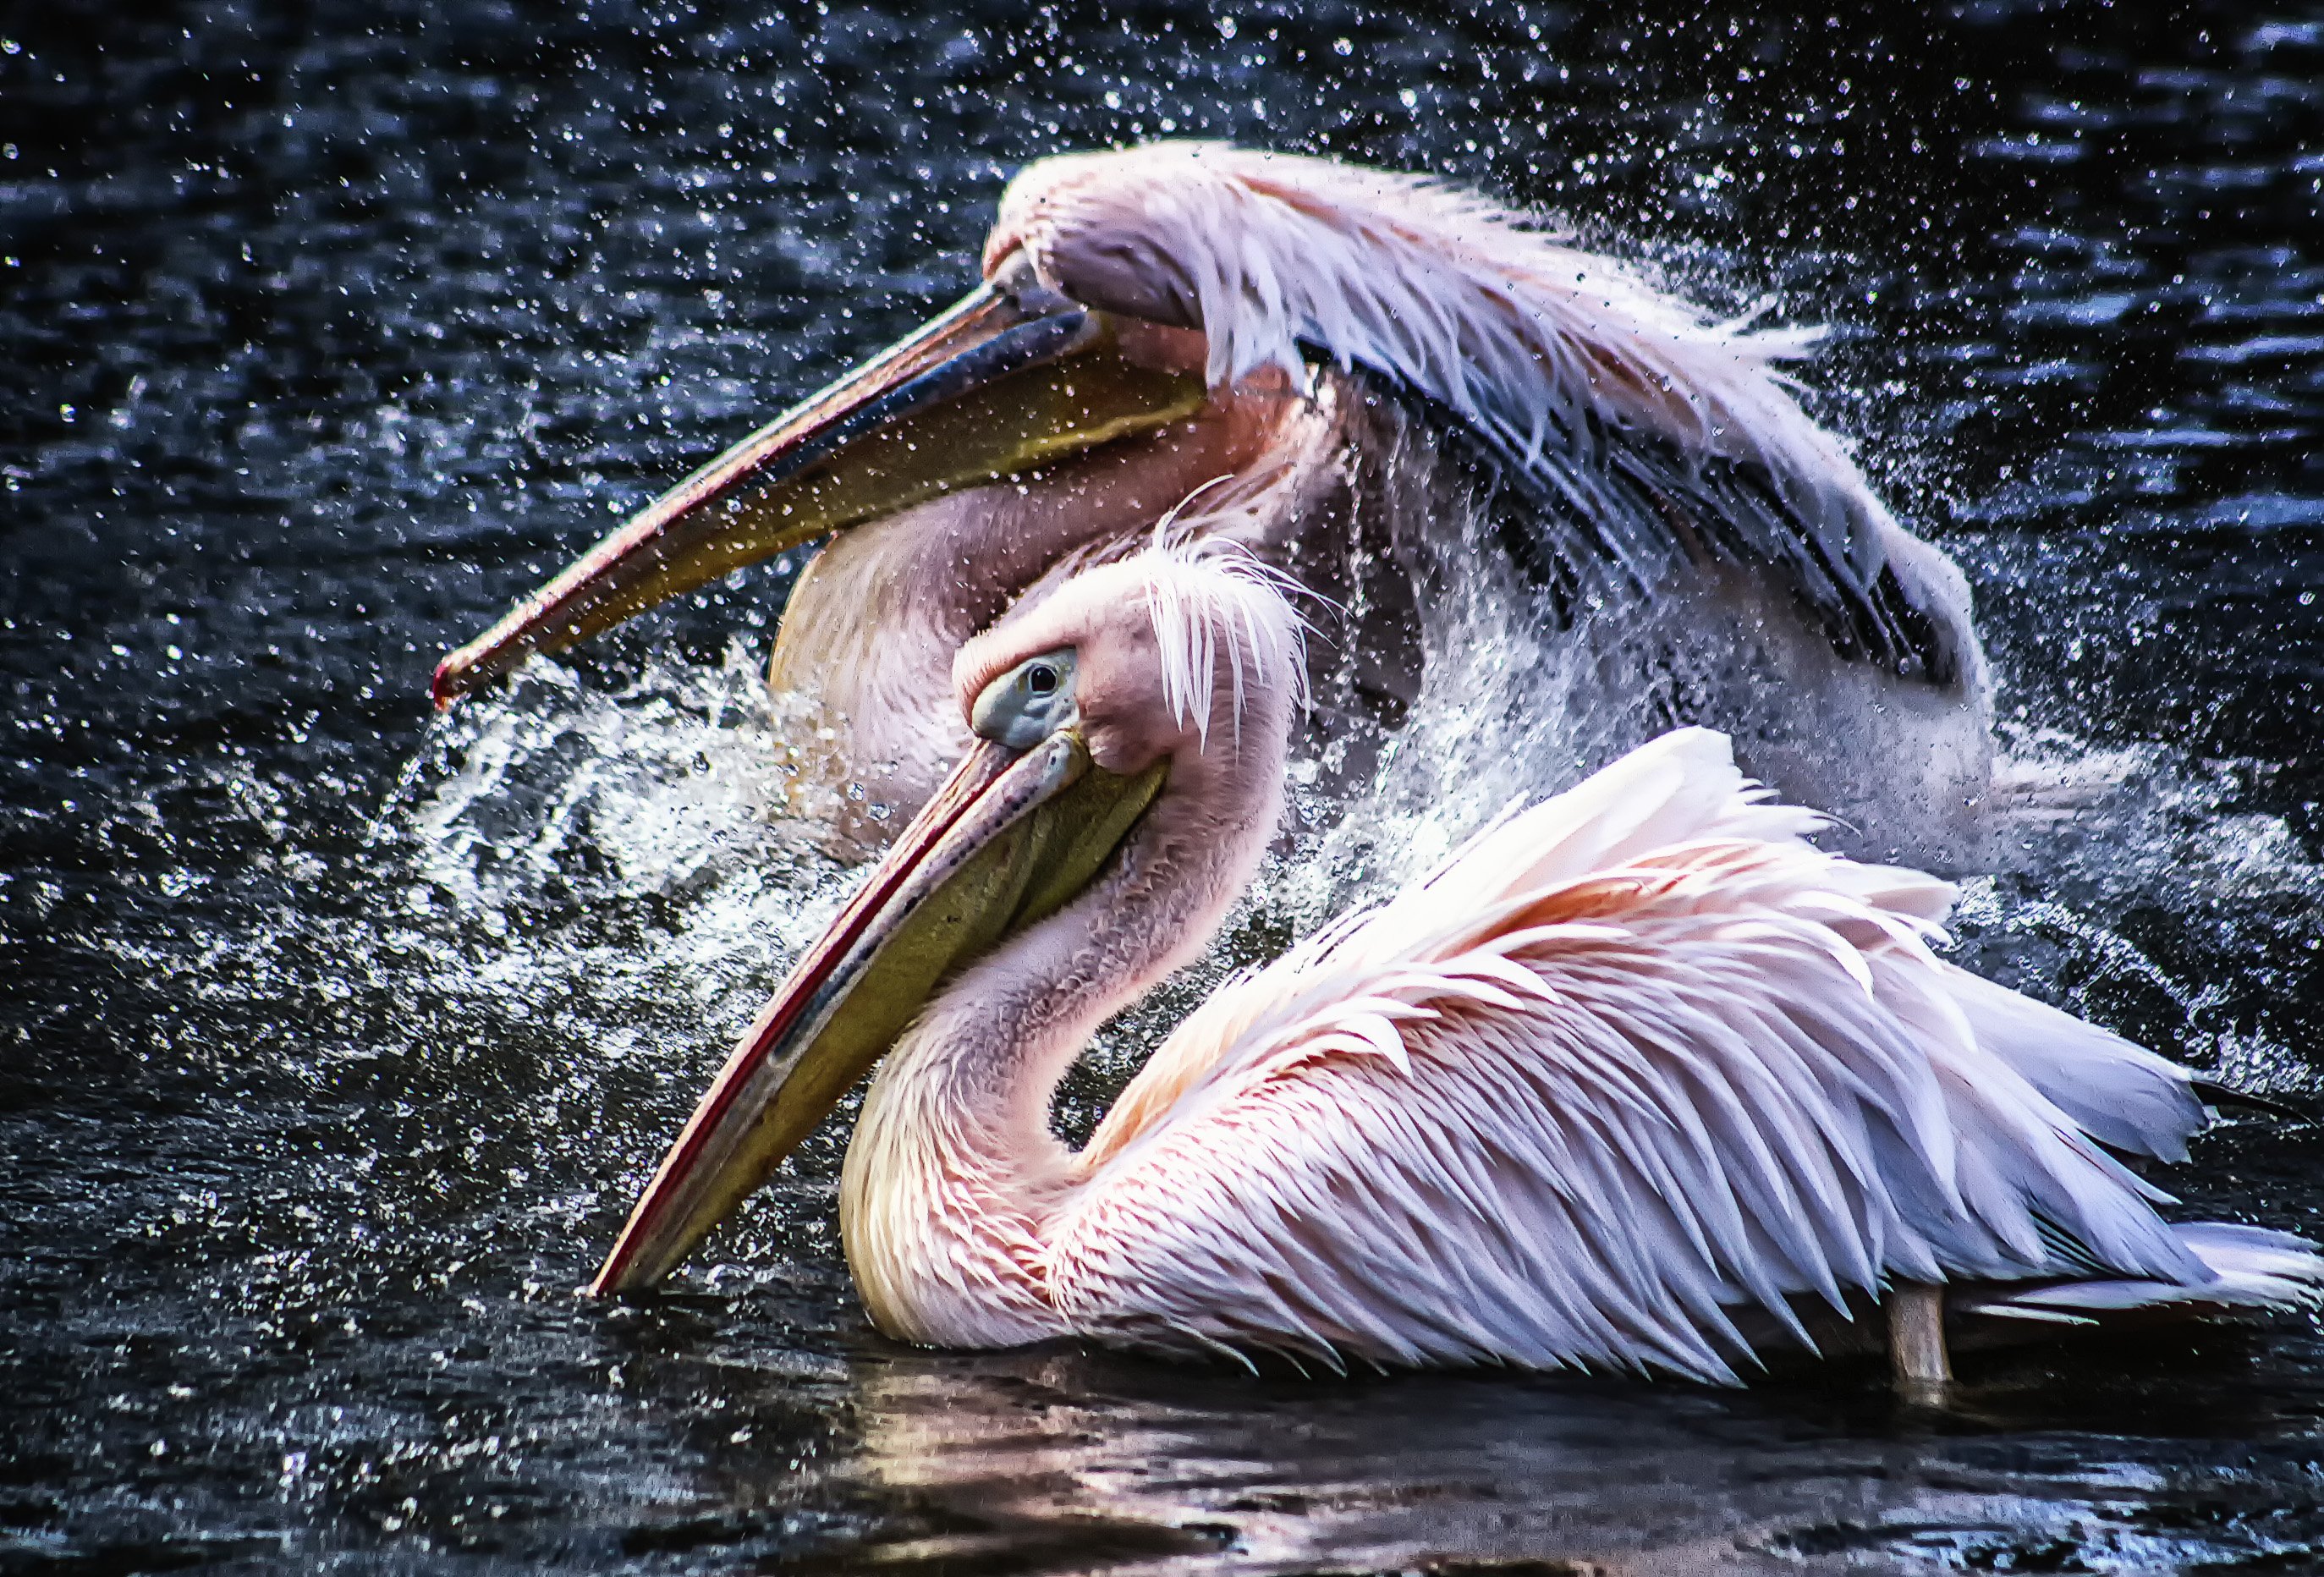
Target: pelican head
{"x":1127,"y":293}
{"x":1083,"y":707}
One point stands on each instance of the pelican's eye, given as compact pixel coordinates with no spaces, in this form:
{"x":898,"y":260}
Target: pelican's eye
{"x":1028,"y":703}
{"x":1016,"y":280}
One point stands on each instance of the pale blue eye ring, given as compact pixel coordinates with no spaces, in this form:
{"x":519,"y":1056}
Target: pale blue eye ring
{"x":1030,"y":702}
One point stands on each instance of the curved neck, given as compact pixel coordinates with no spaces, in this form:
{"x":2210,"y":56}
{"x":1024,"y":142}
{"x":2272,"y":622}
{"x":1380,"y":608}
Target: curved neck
{"x":952,"y":1171}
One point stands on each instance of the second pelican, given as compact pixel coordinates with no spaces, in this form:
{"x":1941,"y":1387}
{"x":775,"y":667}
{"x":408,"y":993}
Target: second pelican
{"x":1536,"y":486}
{"x":1638,"y":1080}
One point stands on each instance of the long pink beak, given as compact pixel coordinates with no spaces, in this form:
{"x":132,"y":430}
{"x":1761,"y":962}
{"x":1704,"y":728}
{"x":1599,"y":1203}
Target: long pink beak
{"x":990,"y":389}
{"x":979,"y":860}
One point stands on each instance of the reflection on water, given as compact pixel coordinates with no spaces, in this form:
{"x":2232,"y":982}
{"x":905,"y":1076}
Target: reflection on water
{"x":339,"y":1037}
{"x":1062,"y":1458}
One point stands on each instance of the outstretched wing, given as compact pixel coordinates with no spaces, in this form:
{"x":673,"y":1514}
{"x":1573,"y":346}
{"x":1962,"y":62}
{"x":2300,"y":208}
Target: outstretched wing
{"x":1642,"y":432}
{"x":1635,"y":1060}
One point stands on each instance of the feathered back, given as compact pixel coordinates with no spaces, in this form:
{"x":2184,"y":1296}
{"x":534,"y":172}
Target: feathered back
{"x":1630,"y":1059}
{"x":1678,"y":792}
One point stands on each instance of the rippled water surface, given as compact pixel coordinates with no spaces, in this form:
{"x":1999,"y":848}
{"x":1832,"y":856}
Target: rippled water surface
{"x":337,"y":1039}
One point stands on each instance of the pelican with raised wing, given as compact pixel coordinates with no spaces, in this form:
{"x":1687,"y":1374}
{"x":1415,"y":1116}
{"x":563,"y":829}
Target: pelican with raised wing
{"x":1474,"y":438}
{"x":1637,"y":1080}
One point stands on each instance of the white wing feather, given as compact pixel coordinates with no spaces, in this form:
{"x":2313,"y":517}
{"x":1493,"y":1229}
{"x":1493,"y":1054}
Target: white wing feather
{"x":1647,"y":432}
{"x":1635,"y":1060}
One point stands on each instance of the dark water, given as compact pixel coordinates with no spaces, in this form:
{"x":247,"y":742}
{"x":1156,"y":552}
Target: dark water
{"x":337,"y":1040}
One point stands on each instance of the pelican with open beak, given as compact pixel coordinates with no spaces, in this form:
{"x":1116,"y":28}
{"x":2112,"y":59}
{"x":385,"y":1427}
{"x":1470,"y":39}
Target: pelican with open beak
{"x":1637,"y":1080}
{"x":1413,"y":402}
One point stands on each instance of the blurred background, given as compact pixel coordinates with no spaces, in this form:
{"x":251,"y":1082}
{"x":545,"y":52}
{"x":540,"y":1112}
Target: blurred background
{"x":333,"y":1038}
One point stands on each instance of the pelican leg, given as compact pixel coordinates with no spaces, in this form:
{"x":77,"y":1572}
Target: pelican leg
{"x":1916,"y":1340}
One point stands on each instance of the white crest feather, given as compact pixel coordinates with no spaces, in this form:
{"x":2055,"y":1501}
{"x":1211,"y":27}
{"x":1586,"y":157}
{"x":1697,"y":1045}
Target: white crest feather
{"x":1215,"y":606}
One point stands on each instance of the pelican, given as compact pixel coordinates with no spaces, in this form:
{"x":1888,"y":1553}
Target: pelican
{"x":1637,"y":1080}
{"x":1468,"y":434}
